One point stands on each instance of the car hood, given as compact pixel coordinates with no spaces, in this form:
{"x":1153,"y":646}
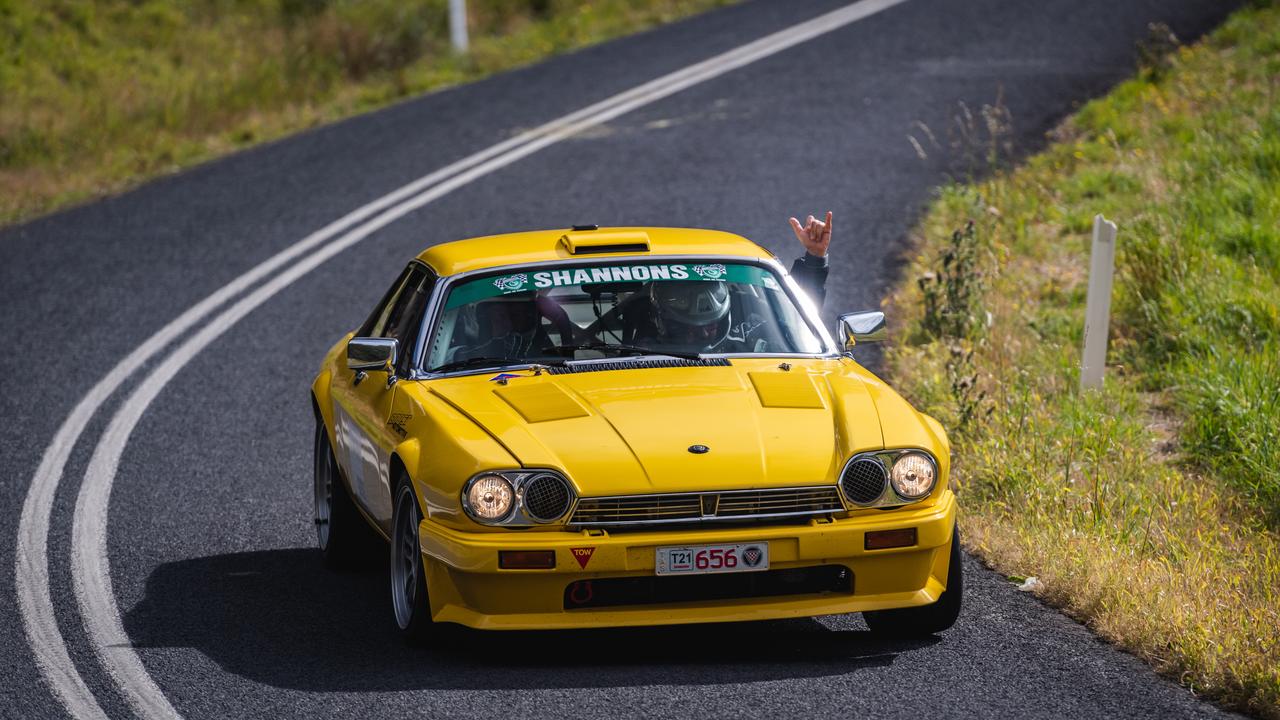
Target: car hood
{"x":634,"y":430}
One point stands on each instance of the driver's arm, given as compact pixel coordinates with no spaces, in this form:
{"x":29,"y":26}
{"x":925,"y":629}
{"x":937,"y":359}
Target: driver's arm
{"x":810,"y":270}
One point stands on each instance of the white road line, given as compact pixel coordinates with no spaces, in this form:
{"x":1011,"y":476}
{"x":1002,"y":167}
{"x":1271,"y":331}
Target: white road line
{"x":90,"y":566}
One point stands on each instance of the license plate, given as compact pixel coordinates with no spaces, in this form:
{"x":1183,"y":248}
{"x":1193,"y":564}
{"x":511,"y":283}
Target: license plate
{"x":703,"y":559}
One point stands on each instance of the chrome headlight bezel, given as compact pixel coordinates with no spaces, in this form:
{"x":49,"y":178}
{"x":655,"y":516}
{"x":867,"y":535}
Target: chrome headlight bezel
{"x":518,"y":515}
{"x":889,"y":496}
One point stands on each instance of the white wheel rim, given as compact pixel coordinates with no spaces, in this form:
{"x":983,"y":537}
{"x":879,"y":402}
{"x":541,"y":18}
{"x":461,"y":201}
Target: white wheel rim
{"x":405,"y":564}
{"x":323,"y":487}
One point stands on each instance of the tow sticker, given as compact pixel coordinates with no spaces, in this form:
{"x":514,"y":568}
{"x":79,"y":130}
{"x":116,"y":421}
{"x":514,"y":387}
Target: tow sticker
{"x":583,"y":555}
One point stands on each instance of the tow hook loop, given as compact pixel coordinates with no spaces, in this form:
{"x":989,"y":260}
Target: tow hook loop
{"x":581,"y":593}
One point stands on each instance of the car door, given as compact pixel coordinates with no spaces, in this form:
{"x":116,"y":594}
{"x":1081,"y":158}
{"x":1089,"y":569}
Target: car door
{"x":362,"y":404}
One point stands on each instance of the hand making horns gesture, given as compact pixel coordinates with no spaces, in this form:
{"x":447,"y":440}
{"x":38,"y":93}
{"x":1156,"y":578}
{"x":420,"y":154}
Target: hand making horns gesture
{"x":814,"y":234}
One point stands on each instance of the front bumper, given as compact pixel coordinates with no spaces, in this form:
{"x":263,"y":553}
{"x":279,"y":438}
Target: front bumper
{"x":467,"y":587}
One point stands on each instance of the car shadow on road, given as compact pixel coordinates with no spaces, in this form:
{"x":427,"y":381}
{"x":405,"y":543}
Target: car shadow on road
{"x":278,"y":617}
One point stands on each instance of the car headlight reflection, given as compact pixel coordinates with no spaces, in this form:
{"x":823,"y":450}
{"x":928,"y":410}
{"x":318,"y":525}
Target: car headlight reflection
{"x":490,"y":497}
{"x":913,"y":475}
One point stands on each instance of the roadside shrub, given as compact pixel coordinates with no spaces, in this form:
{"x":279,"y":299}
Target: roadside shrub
{"x":1231,"y":404}
{"x":952,"y":289}
{"x":951,"y":298}
{"x":1155,"y":50}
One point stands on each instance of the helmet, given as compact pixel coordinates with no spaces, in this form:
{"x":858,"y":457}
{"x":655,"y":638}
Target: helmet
{"x":693,"y":312}
{"x":505,"y":326}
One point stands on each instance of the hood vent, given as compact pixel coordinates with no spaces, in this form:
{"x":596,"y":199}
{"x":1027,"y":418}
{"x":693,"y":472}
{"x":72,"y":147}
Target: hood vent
{"x":594,"y":243}
{"x":636,"y":365}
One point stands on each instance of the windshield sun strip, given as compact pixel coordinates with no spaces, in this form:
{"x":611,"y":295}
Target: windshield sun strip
{"x":431,"y":317}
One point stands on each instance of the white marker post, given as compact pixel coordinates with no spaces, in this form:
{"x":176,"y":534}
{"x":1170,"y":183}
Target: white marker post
{"x":1097,"y":318}
{"x":458,"y":25}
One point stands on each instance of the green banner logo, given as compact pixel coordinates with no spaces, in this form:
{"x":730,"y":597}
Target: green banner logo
{"x":544,"y":280}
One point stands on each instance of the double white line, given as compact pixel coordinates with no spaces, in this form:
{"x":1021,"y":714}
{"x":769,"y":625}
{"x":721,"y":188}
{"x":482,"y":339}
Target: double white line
{"x":90,"y":568}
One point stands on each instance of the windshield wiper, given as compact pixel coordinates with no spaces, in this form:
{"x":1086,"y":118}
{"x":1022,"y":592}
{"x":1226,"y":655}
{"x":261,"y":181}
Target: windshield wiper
{"x":492,"y":361}
{"x":623,"y":348}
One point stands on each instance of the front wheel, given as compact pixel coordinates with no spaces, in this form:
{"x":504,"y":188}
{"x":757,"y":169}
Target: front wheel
{"x":408,"y":575}
{"x":341,"y":533}
{"x":927,"y":619}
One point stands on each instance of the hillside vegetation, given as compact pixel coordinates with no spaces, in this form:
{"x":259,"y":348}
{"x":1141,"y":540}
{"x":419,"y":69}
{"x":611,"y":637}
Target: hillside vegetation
{"x":1149,"y":508}
{"x":96,"y":95}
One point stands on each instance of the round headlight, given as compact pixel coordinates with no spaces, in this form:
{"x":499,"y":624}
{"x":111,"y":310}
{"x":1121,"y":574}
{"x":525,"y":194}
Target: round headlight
{"x":490,"y":498}
{"x":913,"y":475}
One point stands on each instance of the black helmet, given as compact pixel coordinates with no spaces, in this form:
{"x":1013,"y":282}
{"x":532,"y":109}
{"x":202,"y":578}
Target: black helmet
{"x":683,"y":307}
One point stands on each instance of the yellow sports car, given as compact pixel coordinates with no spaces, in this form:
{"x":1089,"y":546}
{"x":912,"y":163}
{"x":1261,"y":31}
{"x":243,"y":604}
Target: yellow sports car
{"x":627,"y":426}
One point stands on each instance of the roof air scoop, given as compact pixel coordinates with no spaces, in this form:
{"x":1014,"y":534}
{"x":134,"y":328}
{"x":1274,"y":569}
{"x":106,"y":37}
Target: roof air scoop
{"x":596,"y":242}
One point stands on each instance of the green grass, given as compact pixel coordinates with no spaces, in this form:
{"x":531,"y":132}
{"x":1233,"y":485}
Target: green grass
{"x":96,"y":95}
{"x":1150,"y":508}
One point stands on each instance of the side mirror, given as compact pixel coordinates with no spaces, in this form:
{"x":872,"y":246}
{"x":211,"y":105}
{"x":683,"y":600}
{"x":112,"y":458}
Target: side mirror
{"x":862,"y":327}
{"x":366,"y":354}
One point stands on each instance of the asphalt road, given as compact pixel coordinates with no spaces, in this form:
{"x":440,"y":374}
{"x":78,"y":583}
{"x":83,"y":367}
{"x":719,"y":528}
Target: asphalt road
{"x":209,"y":537}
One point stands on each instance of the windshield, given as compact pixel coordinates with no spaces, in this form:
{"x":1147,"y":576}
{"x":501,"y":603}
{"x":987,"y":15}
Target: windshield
{"x":582,"y":312}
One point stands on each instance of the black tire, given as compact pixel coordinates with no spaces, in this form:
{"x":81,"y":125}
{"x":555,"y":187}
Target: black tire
{"x":343,"y":535}
{"x":927,"y":619}
{"x":410,"y":604}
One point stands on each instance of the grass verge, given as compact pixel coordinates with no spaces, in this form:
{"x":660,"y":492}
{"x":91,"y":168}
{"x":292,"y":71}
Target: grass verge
{"x":97,"y":95}
{"x":1148,"y":509}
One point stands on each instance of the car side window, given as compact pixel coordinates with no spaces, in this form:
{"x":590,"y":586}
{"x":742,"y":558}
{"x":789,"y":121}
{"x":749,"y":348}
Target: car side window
{"x":389,"y":298}
{"x":405,"y":318}
{"x":390,"y":319}
{"x":390,"y":325}
{"x":400,"y":313}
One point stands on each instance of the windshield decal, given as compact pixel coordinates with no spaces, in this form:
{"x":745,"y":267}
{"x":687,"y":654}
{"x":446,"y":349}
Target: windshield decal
{"x":710,"y":272}
{"x":619,"y":273}
{"x":477,"y":290}
{"x":511,"y":283}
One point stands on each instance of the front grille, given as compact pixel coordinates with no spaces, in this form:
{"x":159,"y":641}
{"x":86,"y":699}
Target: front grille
{"x":587,"y":367}
{"x":710,"y":506}
{"x":655,"y":590}
{"x":637,"y":508}
{"x":772,"y":502}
